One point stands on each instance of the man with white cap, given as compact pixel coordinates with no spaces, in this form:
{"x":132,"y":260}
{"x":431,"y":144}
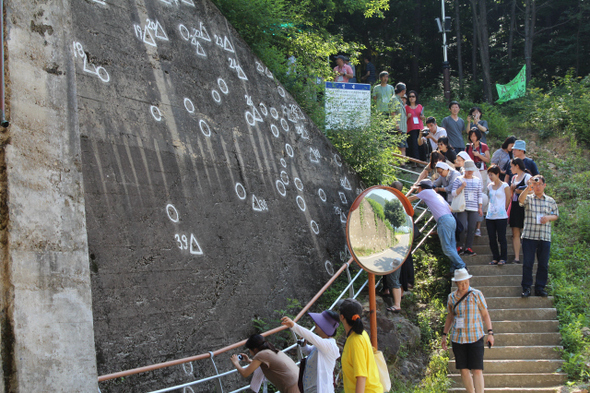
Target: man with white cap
{"x":322,"y":353}
{"x":467,"y":309}
{"x":444,"y":183}
{"x":441,"y":211}
{"x":519,"y":151}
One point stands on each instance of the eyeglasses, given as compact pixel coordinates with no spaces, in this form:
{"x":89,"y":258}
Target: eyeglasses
{"x":411,"y":96}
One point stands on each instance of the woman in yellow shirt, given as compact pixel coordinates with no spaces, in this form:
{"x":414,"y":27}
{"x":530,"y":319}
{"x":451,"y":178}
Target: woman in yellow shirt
{"x":358,"y":360}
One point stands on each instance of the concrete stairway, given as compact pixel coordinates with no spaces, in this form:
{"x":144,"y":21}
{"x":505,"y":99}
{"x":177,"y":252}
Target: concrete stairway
{"x":525,"y":357}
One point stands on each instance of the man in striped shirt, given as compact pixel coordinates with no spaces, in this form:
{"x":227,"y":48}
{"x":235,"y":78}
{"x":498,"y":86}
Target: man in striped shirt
{"x":539,"y":211}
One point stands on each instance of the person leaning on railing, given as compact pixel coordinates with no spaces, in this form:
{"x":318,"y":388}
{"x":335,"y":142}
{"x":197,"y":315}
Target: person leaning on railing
{"x":318,"y":368}
{"x":277,"y":367}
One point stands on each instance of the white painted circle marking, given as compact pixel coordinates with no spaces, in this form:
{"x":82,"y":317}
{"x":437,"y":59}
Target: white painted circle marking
{"x":104,"y":75}
{"x":285,"y":125}
{"x":205,"y":128}
{"x":329,"y":268}
{"x":240,"y":191}
{"x":263,"y":109}
{"x":314,"y":227}
{"x":322,"y":195}
{"x":275,"y":130}
{"x":216,"y":96}
{"x":281,"y":91}
{"x":284,"y":177}
{"x":222,"y":86}
{"x":184,"y":32}
{"x":185,"y":370}
{"x":289,"y":150}
{"x":156,"y":113}
{"x":250,"y":118}
{"x":188,"y":104}
{"x":172,"y":213}
{"x":281,"y":188}
{"x":274,"y":113}
{"x":338,"y":160}
{"x":283,"y":163}
{"x":298,"y":183}
{"x":300,"y":203}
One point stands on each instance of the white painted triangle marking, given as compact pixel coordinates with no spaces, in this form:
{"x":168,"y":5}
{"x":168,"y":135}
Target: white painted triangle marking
{"x":204,"y":34}
{"x":227,"y":45}
{"x":241,"y":73}
{"x":160,"y":33}
{"x":200,"y":50}
{"x":195,"y":250}
{"x":151,"y":41}
{"x":255,"y":204}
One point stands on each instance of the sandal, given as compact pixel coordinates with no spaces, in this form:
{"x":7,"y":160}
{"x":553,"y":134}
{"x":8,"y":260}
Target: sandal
{"x":502,"y":262}
{"x":493,"y":263}
{"x":393,"y":309}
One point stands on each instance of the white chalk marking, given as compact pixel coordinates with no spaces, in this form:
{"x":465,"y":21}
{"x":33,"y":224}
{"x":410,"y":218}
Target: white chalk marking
{"x":216,"y":96}
{"x":284,"y":177}
{"x":184,"y":32}
{"x":281,"y":91}
{"x":329,"y":268}
{"x":342,"y":198}
{"x":314,"y":227}
{"x":263,"y":109}
{"x":241,"y":73}
{"x":257,"y":116}
{"x":322,"y":195}
{"x":289,"y":150}
{"x":274,"y":113}
{"x":342,"y":217}
{"x":259,"y":205}
{"x":345,"y":184}
{"x":285,"y":125}
{"x":172,"y":213}
{"x":300,"y":203}
{"x":250,"y":118}
{"x":205,"y":128}
{"x":241,"y":191}
{"x":159,"y":30}
{"x":281,"y":187}
{"x":148,"y":38}
{"x":298,"y":183}
{"x":204,"y":33}
{"x":200,"y":51}
{"x":185,"y":370}
{"x":192,"y":3}
{"x":302,"y":131}
{"x":259,"y":67}
{"x":195,"y":247}
{"x":222,"y":86}
{"x":283,"y":162}
{"x":227,"y":45}
{"x":314,"y":155}
{"x":156,"y":113}
{"x":218,"y":40}
{"x":269,"y":74}
{"x":275,"y":130}
{"x":101,"y":2}
{"x":188,"y":104}
{"x":100,"y":71}
{"x":338,"y":160}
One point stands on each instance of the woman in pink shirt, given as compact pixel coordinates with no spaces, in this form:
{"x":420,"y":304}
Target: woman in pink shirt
{"x":415,"y":124}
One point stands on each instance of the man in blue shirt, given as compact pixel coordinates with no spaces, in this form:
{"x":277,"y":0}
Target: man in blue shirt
{"x":371,"y":76}
{"x":519,"y":151}
{"x":455,"y":126}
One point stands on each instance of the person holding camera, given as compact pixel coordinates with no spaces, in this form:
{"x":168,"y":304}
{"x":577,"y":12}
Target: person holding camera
{"x":539,"y":211}
{"x":467,"y":309}
{"x":474,"y":121}
{"x":277,"y":367}
{"x":317,"y":371}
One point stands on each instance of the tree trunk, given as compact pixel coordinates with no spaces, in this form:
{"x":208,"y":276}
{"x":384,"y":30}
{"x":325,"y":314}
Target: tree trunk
{"x":530,"y":14}
{"x":512,"y":28}
{"x":459,"y":40}
{"x":481,"y":24}
{"x":474,"y":44}
{"x":415,"y":65}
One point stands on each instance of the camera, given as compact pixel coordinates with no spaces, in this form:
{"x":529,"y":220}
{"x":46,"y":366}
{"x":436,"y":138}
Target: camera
{"x":240,"y":357}
{"x":536,"y":180}
{"x":301,"y":342}
{"x":425,"y":132}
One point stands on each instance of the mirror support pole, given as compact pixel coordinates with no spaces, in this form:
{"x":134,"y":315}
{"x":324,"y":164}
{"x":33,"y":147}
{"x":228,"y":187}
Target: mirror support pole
{"x":373,"y":310}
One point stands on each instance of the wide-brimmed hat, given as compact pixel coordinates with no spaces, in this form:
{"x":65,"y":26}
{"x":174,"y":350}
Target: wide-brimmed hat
{"x":341,"y":57}
{"x":325,"y":321}
{"x":519,"y":145}
{"x":442,"y":165}
{"x":461,"y":275}
{"x":469,"y":166}
{"x":464,"y":155}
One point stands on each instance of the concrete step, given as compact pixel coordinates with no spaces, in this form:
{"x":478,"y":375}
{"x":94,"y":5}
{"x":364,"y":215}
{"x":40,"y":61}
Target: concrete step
{"x":496,"y":270}
{"x":519,"y":302}
{"x":554,"y":389}
{"x":547,"y":326}
{"x":495,"y":280}
{"x":523,"y":314}
{"x":518,"y":380}
{"x":515,"y":339}
{"x":520,"y":352}
{"x":500,"y":291}
{"x":517,"y":366}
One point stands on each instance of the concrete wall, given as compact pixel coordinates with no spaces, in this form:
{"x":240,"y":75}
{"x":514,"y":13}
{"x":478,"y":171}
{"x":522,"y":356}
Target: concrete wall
{"x":151,"y":147}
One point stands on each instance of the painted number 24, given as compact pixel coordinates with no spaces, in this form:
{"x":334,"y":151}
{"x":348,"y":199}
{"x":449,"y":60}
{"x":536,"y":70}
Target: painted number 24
{"x":184,"y":243}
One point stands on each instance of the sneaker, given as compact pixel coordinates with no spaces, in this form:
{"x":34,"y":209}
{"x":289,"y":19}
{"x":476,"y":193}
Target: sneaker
{"x":541,"y":292}
{"x":526,"y":292}
{"x":477,"y":233}
{"x":469,"y":251}
{"x":460,"y":250}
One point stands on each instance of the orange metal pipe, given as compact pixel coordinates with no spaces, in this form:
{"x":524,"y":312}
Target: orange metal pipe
{"x":373,"y":310}
{"x":202,"y":356}
{"x":410,"y":159}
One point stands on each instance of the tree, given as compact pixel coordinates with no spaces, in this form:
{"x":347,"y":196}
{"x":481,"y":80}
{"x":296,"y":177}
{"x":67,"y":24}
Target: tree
{"x":395,"y":213}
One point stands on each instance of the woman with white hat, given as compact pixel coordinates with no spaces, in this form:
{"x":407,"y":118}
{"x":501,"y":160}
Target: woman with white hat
{"x":318,"y":373}
{"x":459,"y":163}
{"x":471,"y":187}
{"x":467,"y":311}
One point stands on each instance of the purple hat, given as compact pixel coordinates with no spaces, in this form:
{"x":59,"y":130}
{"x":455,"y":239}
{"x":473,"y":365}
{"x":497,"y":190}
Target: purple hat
{"x":325,"y":321}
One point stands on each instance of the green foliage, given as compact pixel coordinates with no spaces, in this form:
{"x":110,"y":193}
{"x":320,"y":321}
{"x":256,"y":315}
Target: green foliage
{"x":563,"y":109}
{"x":395,"y":213}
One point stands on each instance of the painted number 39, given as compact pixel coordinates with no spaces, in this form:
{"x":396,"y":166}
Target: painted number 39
{"x":183,"y":242}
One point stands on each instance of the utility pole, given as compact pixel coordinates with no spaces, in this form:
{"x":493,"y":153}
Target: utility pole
{"x":443,"y":28}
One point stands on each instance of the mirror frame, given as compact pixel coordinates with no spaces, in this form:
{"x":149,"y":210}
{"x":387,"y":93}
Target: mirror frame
{"x":355,"y":205}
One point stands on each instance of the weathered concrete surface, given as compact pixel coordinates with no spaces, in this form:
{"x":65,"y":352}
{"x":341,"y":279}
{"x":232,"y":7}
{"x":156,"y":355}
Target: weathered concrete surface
{"x":47,"y":328}
{"x":149,"y":142}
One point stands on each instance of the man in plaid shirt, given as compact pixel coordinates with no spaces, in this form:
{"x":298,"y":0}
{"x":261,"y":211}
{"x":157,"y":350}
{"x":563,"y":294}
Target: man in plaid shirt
{"x":540,"y":210}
